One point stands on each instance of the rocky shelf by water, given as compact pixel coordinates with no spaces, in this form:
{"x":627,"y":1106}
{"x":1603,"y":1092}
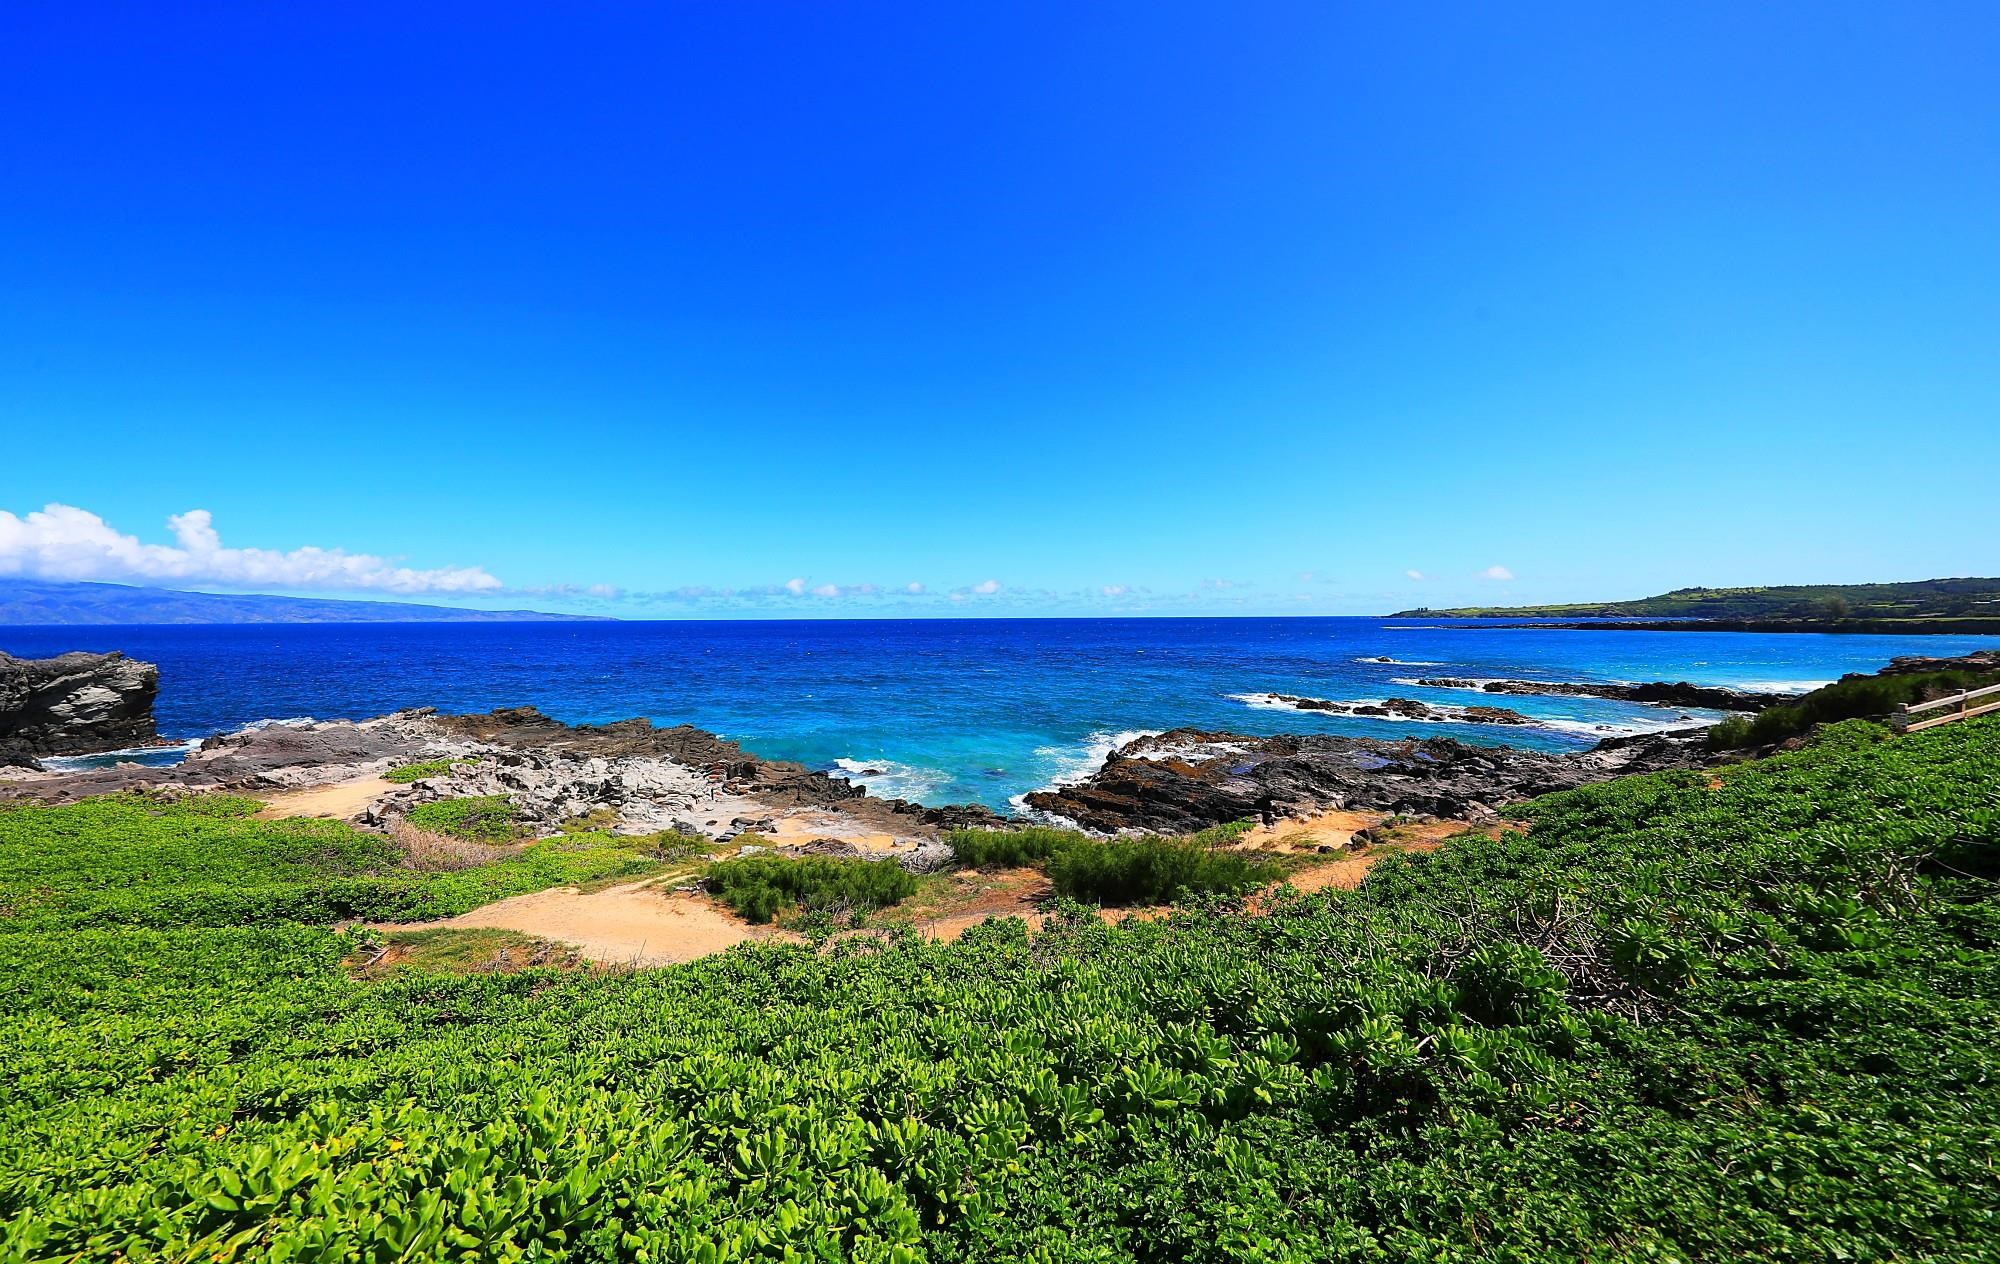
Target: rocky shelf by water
{"x":1187,"y":779}
{"x":1658,"y":693}
{"x":1390,"y":708}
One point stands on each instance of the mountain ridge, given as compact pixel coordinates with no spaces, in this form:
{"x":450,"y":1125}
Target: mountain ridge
{"x":44,"y":603}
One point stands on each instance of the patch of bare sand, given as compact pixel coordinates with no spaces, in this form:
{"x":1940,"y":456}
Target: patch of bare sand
{"x":790,"y":831}
{"x":341,"y":800}
{"x":1344,"y":873}
{"x":635,"y":923}
{"x":1307,"y":833}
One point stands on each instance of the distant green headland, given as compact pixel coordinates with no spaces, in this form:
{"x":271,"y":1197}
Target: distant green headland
{"x":1924,"y":605}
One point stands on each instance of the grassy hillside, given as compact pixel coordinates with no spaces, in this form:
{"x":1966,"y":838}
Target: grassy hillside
{"x":1924,"y":598}
{"x":1687,"y":1016}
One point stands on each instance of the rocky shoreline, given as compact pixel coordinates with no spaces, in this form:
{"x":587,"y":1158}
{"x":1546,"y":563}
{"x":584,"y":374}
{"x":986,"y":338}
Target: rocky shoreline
{"x":1188,"y":779}
{"x":633,"y":776}
{"x":1398,"y":708}
{"x":630,"y":777}
{"x":1659,"y":693}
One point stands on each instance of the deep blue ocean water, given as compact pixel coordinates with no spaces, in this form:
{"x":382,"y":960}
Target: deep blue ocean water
{"x":948,"y":711}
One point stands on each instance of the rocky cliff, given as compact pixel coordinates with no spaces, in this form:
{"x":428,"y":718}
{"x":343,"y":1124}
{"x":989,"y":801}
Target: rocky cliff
{"x":74,"y":704}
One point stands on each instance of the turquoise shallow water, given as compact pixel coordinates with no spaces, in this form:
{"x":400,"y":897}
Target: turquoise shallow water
{"x":950,"y":711}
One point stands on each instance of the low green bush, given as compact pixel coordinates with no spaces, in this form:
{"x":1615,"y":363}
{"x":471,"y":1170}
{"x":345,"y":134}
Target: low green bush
{"x":421,"y":769}
{"x":1009,"y":848}
{"x":487,"y":818}
{"x":1853,"y":697}
{"x":1153,"y":871}
{"x":758,"y":886}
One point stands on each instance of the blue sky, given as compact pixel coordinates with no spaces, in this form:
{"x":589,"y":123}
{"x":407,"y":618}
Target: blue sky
{"x":780,"y":309}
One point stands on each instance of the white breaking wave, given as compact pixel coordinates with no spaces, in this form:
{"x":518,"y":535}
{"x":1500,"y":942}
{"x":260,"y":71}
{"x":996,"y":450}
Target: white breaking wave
{"x":1631,"y":727}
{"x":1075,"y":764}
{"x":1444,"y":713}
{"x":1263,"y":701}
{"x":105,"y":759}
{"x":887,"y":779}
{"x":1778,"y":686}
{"x":1386,"y":661}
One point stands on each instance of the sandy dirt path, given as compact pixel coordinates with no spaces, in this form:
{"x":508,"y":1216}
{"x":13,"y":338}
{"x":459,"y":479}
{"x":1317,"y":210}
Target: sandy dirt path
{"x":342,"y":800}
{"x":634,"y":923}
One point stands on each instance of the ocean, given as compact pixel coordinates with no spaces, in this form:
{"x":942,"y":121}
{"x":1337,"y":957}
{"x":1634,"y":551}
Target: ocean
{"x":952,"y":711}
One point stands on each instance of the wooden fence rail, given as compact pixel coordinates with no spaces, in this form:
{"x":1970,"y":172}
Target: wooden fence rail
{"x":1962,"y":702}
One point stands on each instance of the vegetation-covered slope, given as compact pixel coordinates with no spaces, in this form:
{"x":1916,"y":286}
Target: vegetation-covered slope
{"x":1687,"y":1016}
{"x":1848,"y":698}
{"x":1917,"y":599}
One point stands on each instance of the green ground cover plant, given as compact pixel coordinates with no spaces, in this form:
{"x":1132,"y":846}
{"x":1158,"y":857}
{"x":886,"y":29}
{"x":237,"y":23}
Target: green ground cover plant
{"x":1682,"y":1017}
{"x":757,"y":886}
{"x":486,"y":818}
{"x":1856,"y":697}
{"x":130,"y":860}
{"x":422,"y":769}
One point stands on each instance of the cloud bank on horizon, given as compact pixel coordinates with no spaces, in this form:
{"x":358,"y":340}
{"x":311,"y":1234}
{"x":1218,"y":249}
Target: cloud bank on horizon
{"x":64,"y":542}
{"x":67,"y":543}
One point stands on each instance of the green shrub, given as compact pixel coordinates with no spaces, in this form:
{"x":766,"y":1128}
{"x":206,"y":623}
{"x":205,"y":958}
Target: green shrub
{"x":758,"y":886}
{"x":1222,"y":835}
{"x":485,"y":818}
{"x":1853,"y":697}
{"x":1127,"y":871}
{"x":423,"y":768}
{"x":1009,"y":848}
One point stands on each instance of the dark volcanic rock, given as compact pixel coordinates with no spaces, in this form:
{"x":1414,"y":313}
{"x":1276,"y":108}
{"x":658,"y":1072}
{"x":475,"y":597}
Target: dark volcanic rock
{"x":1188,"y":779}
{"x":1977,"y":661}
{"x":1659,"y":693}
{"x":1403,"y":708}
{"x":74,"y":704}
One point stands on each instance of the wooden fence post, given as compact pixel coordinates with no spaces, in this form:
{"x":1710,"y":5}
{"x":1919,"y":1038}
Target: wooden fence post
{"x":1899,"y":719}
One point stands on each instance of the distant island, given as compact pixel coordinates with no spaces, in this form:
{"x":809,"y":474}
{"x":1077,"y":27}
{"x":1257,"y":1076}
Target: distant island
{"x":46,"y":602}
{"x":1966,"y":605}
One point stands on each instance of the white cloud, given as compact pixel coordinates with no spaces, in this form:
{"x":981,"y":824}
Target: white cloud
{"x":913,"y":587}
{"x":1114,"y":590}
{"x":1496,"y":572}
{"x":796,"y":587}
{"x":1223,"y":585}
{"x":987,"y":587}
{"x":827,"y":590}
{"x":1416,"y":575}
{"x":64,"y":542}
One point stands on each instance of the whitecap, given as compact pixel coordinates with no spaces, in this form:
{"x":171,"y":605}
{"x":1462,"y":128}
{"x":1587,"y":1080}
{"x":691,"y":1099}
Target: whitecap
{"x":1777,"y":686}
{"x":888,"y":779}
{"x":1073,"y":765}
{"x":1445,"y":713}
{"x":153,"y":756}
